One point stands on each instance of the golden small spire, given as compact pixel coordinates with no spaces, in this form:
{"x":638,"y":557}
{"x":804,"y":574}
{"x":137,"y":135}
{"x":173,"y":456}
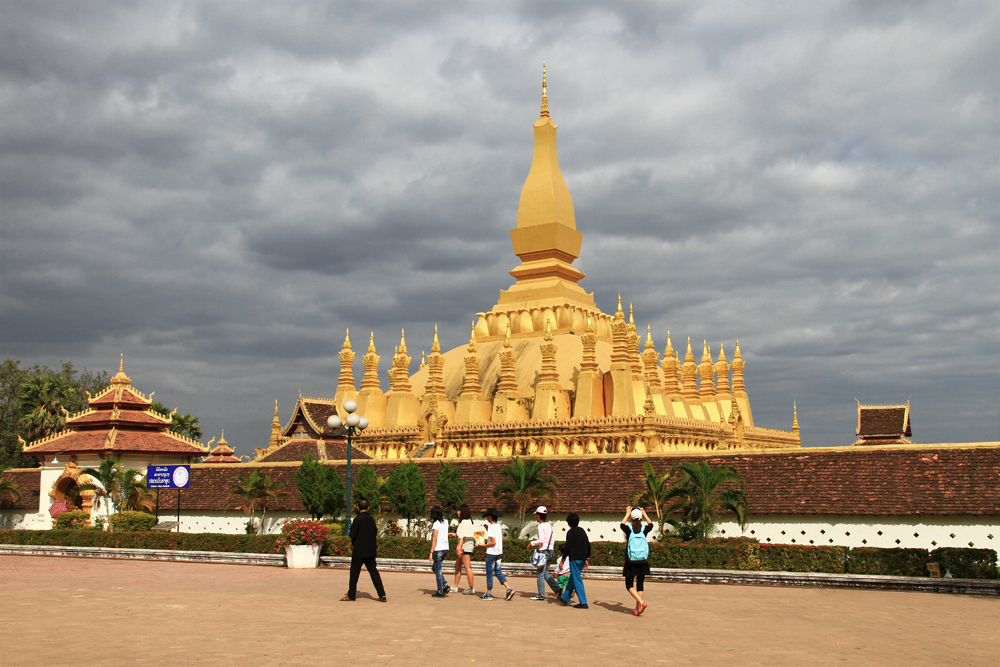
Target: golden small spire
{"x":545,"y":95}
{"x":689,"y":354}
{"x":649,"y":338}
{"x":722,"y":352}
{"x":736,"y":354}
{"x":631,"y":320}
{"x":795,"y":418}
{"x":669,"y":351}
{"x":548,"y":330}
{"x":472,"y":338}
{"x":121,"y":363}
{"x":706,"y":356}
{"x":619,"y":311}
{"x":423,"y":358}
{"x":347,"y":340}
{"x":371,"y":343}
{"x":436,"y":345}
{"x":402,"y":342}
{"x":222,"y":438}
{"x":120,"y":377}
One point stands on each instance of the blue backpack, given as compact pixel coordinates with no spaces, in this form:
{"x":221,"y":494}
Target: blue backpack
{"x":638,"y":547}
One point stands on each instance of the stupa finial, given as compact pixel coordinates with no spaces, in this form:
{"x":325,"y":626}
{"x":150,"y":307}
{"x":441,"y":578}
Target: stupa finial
{"x":371,"y":343}
{"x":545,"y":95}
{"x":435,"y":345}
{"x":649,"y":338}
{"x":631,"y":320}
{"x":347,"y":340}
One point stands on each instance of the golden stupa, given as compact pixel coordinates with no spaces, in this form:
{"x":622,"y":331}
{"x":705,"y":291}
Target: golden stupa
{"x":545,"y":372}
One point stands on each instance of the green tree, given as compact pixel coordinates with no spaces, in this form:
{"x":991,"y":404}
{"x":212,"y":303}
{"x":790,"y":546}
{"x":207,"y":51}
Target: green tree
{"x":702,"y":493}
{"x":109,"y":489}
{"x":252,"y":492}
{"x":406,"y":492}
{"x":186,"y":425}
{"x":137,"y":497}
{"x":321,"y":489}
{"x":655,"y":491}
{"x":524,"y":481}
{"x":450,"y":489}
{"x":75,"y":385}
{"x":42,"y":401}
{"x":10,"y":492}
{"x":368,"y":485}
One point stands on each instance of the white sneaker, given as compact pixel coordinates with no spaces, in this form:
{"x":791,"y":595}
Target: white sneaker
{"x":469,"y":591}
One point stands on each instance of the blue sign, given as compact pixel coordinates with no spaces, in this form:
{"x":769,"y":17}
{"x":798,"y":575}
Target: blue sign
{"x":168,"y":477}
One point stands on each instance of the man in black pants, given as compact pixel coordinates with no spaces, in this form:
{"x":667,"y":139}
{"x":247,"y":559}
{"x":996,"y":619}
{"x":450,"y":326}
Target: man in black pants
{"x":363,"y":538}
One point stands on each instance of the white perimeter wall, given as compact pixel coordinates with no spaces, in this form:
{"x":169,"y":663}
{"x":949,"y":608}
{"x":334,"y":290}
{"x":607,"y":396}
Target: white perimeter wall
{"x":927,"y":532}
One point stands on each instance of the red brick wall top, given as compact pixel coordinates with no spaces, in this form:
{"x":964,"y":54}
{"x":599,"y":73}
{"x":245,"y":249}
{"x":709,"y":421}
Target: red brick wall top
{"x":899,"y":482}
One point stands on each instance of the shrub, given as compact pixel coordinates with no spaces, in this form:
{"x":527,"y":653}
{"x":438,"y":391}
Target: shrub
{"x":966,"y":563}
{"x":892,"y":562}
{"x":73,"y":519}
{"x":802,"y":558}
{"x":132,"y":521}
{"x":336,"y":526}
{"x":142,"y":540}
{"x":302,"y":532}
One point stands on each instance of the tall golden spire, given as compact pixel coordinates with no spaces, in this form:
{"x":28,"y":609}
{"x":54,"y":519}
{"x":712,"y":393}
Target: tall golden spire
{"x":795,"y":419}
{"x":370,"y":362}
{"x":346,"y":364}
{"x":545,"y":96}
{"x":546,"y":239}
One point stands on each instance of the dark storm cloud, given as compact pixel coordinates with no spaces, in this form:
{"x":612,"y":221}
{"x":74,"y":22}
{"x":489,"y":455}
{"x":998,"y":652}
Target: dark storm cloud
{"x":219,"y":190}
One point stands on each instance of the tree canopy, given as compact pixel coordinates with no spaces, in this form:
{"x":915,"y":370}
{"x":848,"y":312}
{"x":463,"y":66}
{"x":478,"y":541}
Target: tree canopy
{"x":406,"y":493}
{"x":321,"y":488}
{"x":186,"y":425}
{"x":701,"y":493}
{"x":31,"y":403}
{"x":522,"y":482}
{"x":450,"y":489}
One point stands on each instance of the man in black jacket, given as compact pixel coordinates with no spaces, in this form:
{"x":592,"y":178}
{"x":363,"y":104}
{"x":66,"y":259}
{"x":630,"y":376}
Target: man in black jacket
{"x":364,"y":534}
{"x":579,"y":558}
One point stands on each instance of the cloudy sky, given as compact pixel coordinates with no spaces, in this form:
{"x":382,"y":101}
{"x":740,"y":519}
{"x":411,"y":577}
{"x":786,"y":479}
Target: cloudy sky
{"x":219,"y":189}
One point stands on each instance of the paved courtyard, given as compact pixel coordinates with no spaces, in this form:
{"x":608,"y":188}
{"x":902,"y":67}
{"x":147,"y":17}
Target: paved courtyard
{"x":110,"y":612}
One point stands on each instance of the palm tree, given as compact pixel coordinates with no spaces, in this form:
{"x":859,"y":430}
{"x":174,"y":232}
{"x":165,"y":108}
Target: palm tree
{"x":10,"y":492}
{"x":702,"y":493}
{"x":137,"y":497}
{"x":42,"y":400}
{"x":249,"y":492}
{"x":654,"y":492}
{"x":110,"y":487}
{"x":524,"y":481}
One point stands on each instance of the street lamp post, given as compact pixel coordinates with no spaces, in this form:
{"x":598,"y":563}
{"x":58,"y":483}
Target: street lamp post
{"x":353,"y":424}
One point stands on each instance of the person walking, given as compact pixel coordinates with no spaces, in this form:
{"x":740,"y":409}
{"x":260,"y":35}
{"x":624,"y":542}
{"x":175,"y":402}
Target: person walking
{"x":545,"y":543}
{"x":562,"y":568}
{"x":636,"y":553}
{"x":578,"y":545}
{"x":439,"y":549}
{"x":463,"y":550}
{"x":364,"y":534}
{"x":494,"y":555}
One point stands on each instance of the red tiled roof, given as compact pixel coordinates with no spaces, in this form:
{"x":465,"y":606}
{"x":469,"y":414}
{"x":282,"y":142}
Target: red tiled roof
{"x":28,"y":480}
{"x":295,"y":450}
{"x":130,"y":397}
{"x":222,"y":458}
{"x":949,"y":481}
{"x":164,"y":442}
{"x":318,"y":413}
{"x":124,"y":417}
{"x":883,"y":421}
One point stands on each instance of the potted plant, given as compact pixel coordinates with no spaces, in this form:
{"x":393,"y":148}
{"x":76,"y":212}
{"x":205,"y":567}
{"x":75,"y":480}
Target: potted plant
{"x":302,"y":540}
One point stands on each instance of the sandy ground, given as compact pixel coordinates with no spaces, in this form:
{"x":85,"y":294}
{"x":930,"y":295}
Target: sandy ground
{"x":81,"y":611}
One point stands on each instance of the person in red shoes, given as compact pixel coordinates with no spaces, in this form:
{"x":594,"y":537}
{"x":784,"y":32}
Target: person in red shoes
{"x":364,"y":540}
{"x":636,"y":554}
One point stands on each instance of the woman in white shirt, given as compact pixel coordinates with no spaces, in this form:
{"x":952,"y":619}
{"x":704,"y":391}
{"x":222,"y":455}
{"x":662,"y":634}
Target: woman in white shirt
{"x":439,"y":549}
{"x":463,"y":551}
{"x":544,"y":542}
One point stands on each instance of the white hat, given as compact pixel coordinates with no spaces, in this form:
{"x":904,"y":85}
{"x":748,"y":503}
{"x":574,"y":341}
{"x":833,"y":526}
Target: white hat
{"x":637,"y":514}
{"x":541,"y":510}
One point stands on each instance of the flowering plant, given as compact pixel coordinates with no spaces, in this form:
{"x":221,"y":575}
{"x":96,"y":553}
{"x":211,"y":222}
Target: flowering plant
{"x":302,"y":531}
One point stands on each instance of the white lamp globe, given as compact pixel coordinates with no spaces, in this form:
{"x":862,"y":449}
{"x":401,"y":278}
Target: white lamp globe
{"x":350,"y":405}
{"x":363,"y":423}
{"x":353,"y":419}
{"x":333,"y":422}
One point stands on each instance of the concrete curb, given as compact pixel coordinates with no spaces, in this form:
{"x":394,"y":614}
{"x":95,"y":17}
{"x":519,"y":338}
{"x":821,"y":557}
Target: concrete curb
{"x":147,"y":554}
{"x":856,"y":581}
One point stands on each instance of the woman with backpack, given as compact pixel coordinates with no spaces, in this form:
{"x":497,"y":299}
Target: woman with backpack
{"x":636,"y":553}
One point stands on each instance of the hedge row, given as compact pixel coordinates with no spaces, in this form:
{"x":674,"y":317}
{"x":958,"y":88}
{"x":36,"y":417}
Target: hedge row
{"x":714,"y":554}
